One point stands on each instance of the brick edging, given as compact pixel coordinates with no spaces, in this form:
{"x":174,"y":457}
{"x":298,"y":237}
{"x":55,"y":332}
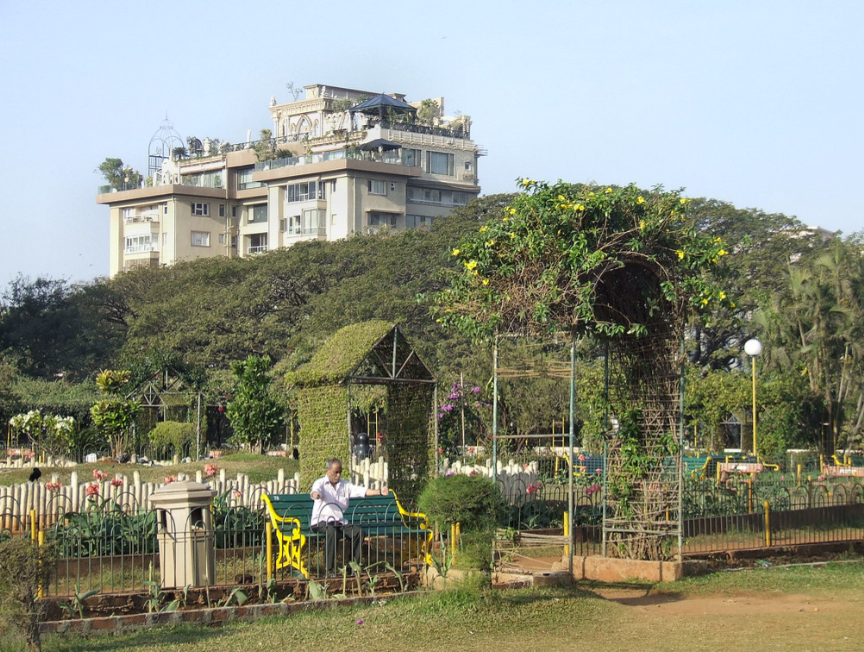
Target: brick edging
{"x":212,"y":617}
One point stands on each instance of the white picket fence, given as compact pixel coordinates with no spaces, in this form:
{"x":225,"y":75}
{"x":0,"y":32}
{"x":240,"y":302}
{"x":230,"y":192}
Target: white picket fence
{"x":18,"y":500}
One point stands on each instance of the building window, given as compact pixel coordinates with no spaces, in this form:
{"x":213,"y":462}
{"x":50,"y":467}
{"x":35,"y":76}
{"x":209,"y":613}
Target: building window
{"x":136,"y":244}
{"x":302,"y":191}
{"x":439,"y":163}
{"x":128,"y":214}
{"x":258,"y":214}
{"x":233,"y":211}
{"x":200,"y":238}
{"x":257,"y":243}
{"x":411,"y":157}
{"x":221,"y":210}
{"x":165,"y":239}
{"x":222,"y":238}
{"x":382,"y":219}
{"x":165,"y":209}
{"x":283,"y":224}
{"x":377,"y":187}
{"x":333,"y":186}
{"x":314,"y":221}
{"x":200,"y":209}
{"x":413,"y":221}
{"x":392,"y":186}
{"x":244,"y":179}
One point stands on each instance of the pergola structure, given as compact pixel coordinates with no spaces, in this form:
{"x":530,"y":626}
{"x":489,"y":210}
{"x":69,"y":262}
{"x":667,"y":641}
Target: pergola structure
{"x":357,"y":356}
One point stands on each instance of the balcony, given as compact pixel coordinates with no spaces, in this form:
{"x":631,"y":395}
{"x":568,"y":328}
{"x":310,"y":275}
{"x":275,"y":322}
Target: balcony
{"x":256,"y":249}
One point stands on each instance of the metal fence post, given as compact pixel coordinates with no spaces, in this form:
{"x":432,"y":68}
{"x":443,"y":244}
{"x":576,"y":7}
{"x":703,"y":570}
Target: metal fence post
{"x":767,"y":507}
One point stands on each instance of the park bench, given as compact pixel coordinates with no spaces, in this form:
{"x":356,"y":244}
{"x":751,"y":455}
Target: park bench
{"x":379,"y":516}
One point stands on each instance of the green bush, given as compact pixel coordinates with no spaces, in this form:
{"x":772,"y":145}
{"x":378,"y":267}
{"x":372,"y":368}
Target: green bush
{"x":24,"y":568}
{"x":172,"y":437}
{"x":473,"y":501}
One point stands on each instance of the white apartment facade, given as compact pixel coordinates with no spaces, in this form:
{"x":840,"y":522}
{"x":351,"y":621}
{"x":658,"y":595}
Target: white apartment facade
{"x":343,"y":166}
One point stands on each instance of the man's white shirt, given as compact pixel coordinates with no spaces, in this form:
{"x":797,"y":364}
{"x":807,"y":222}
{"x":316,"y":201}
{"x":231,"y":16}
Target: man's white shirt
{"x":333,"y":501}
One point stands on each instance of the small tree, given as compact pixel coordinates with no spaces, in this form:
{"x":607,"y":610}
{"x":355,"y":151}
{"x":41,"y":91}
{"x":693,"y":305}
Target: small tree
{"x":25,"y":568}
{"x":114,"y":416}
{"x":118,"y":175}
{"x":50,"y":432}
{"x":255,"y":413}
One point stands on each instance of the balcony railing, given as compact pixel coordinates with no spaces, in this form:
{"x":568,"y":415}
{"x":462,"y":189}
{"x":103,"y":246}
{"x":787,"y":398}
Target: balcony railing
{"x":321,"y":157}
{"x":256,"y":249}
{"x":143,"y":217}
{"x":314,"y":230}
{"x":141,"y":248}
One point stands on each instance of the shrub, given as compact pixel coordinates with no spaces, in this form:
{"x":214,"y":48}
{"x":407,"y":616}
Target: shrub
{"x":24,"y":568}
{"x":473,"y":501}
{"x":172,"y":436}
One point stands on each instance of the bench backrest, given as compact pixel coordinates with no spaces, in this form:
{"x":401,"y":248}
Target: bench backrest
{"x":370,"y":509}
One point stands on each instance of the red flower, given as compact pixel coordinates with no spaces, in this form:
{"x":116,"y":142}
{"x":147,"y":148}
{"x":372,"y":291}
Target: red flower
{"x":210,"y":469}
{"x":92,"y":490}
{"x":117,"y":482}
{"x":170,"y":478}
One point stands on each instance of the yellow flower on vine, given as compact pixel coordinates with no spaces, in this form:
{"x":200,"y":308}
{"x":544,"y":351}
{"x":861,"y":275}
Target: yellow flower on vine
{"x":562,"y":198}
{"x":608,"y":190}
{"x":455,"y":252}
{"x":731,"y":304}
{"x":483,"y":229}
{"x":722,"y":295}
{"x":512,"y":235}
{"x":640,"y":199}
{"x":680,"y":254}
{"x":485,"y":281}
{"x":641,"y":225}
{"x":722,"y":252}
{"x":704,"y":302}
{"x":471,"y":264}
{"x":580,"y":207}
{"x":512,"y":211}
{"x":505,"y":218}
{"x":684,"y":200}
{"x":489,"y":243}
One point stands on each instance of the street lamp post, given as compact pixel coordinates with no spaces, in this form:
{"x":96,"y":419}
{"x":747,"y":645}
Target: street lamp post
{"x":753,"y":348}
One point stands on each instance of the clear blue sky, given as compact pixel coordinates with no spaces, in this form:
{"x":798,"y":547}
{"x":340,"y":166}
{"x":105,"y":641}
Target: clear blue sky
{"x":755,"y":103}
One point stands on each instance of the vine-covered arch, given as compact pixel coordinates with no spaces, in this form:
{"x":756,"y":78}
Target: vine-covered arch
{"x":626,"y":267}
{"x":368,"y":353}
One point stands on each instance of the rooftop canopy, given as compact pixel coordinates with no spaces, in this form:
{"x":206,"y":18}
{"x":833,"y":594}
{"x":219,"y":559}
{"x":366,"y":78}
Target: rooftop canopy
{"x":381,"y":103}
{"x":380,"y":143}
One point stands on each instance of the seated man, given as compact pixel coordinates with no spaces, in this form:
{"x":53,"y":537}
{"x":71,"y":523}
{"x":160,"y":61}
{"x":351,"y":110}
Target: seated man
{"x":331,"y":495}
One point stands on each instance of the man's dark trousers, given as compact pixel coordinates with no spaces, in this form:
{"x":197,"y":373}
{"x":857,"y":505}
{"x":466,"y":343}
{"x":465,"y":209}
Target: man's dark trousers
{"x":332,"y":533}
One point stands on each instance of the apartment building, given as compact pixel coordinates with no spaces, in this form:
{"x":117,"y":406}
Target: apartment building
{"x":339,"y":162}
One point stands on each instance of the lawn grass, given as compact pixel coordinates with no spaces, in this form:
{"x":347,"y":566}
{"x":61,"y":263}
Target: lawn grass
{"x":258,"y":468}
{"x":554,"y":618}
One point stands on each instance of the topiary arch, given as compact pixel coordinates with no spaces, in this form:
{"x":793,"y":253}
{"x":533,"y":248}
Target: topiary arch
{"x":368,"y":353}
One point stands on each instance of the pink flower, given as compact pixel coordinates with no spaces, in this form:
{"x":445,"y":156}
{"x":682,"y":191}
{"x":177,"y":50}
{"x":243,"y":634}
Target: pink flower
{"x":52,"y":486}
{"x":117,"y":482}
{"x":92,"y":490}
{"x":210,"y":469}
{"x":598,"y":471}
{"x":475,"y":390}
{"x":821,"y":478}
{"x":593,"y":489}
{"x":581,"y":458}
{"x":532,"y":488}
{"x":99,"y":475}
{"x":236,"y":494}
{"x":171,"y":478}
